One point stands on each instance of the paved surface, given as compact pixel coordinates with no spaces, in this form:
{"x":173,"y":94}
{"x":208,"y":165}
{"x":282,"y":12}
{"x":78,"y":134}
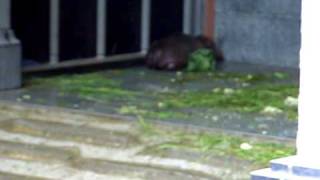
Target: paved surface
{"x":140,"y":79}
{"x":49,"y":143}
{"x":44,"y":142}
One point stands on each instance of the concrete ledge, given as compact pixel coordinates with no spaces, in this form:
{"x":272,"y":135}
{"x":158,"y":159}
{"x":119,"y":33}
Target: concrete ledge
{"x":268,"y":174}
{"x":10,"y":60}
{"x":289,"y":168}
{"x":297,"y":166}
{"x":265,"y":174}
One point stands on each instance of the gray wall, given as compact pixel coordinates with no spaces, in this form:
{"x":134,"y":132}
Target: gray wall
{"x":4,"y":11}
{"x":10,"y":51}
{"x":260,"y":31}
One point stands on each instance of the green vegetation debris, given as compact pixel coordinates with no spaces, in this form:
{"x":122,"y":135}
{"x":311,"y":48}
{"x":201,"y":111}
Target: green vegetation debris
{"x":151,"y":113}
{"x":256,"y":151}
{"x":90,"y":86}
{"x":201,"y":60}
{"x":254,"y":93}
{"x":253,"y":99}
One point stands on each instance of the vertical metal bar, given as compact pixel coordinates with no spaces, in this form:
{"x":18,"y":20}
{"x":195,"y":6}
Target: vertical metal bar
{"x":198,"y":8}
{"x":187,"y":16}
{"x":54,"y":31}
{"x":101,"y":28}
{"x":145,"y":24}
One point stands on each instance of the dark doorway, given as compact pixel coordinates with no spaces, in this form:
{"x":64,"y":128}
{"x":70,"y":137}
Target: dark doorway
{"x":78,"y":26}
{"x":167,"y":18}
{"x":30,"y":21}
{"x":77,"y":29}
{"x":124,"y":23}
{"x":123,"y":26}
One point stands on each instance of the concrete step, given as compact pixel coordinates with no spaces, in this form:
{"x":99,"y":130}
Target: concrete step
{"x":296,"y":166}
{"x":8,"y":176}
{"x":78,"y":133}
{"x":29,"y":140}
{"x":26,"y":158}
{"x":31,"y":152}
{"x":52,"y":170}
{"x":59,"y":115}
{"x":138,"y":171}
{"x":126,"y":156}
{"x":290,"y":168}
{"x":268,"y":174}
{"x":53,"y":143}
{"x":21,"y":161}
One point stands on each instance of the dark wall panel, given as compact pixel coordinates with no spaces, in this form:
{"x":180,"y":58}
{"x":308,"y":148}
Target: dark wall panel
{"x":31,"y":24}
{"x":167,"y":18}
{"x":123,"y":26}
{"x":77,"y":29}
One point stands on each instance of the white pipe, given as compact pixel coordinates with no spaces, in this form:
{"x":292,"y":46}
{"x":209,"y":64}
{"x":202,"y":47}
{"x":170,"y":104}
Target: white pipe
{"x":54,"y":31}
{"x":145,"y":25}
{"x":101,"y":28}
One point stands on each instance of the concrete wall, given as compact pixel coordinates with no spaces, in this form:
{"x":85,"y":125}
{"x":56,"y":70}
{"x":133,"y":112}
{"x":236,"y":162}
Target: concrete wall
{"x":4,"y":20}
{"x":10,"y":51}
{"x":10,"y":68}
{"x":260,"y":31}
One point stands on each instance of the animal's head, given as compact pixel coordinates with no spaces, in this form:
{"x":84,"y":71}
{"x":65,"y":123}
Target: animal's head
{"x":208,"y":43}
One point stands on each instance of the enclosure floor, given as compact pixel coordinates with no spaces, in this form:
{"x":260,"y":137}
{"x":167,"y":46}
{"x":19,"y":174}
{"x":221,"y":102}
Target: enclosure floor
{"x":143,"y":80}
{"x":49,"y":134}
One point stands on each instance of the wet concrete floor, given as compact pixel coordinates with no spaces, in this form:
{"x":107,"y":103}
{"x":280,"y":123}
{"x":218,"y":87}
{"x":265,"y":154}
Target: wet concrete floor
{"x":139,"y":79}
{"x":45,"y":142}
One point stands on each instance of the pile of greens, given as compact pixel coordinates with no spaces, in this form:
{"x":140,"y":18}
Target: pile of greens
{"x":201,"y":60}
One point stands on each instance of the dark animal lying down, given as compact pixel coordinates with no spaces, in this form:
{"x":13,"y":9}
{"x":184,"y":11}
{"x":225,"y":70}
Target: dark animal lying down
{"x":172,"y":53}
